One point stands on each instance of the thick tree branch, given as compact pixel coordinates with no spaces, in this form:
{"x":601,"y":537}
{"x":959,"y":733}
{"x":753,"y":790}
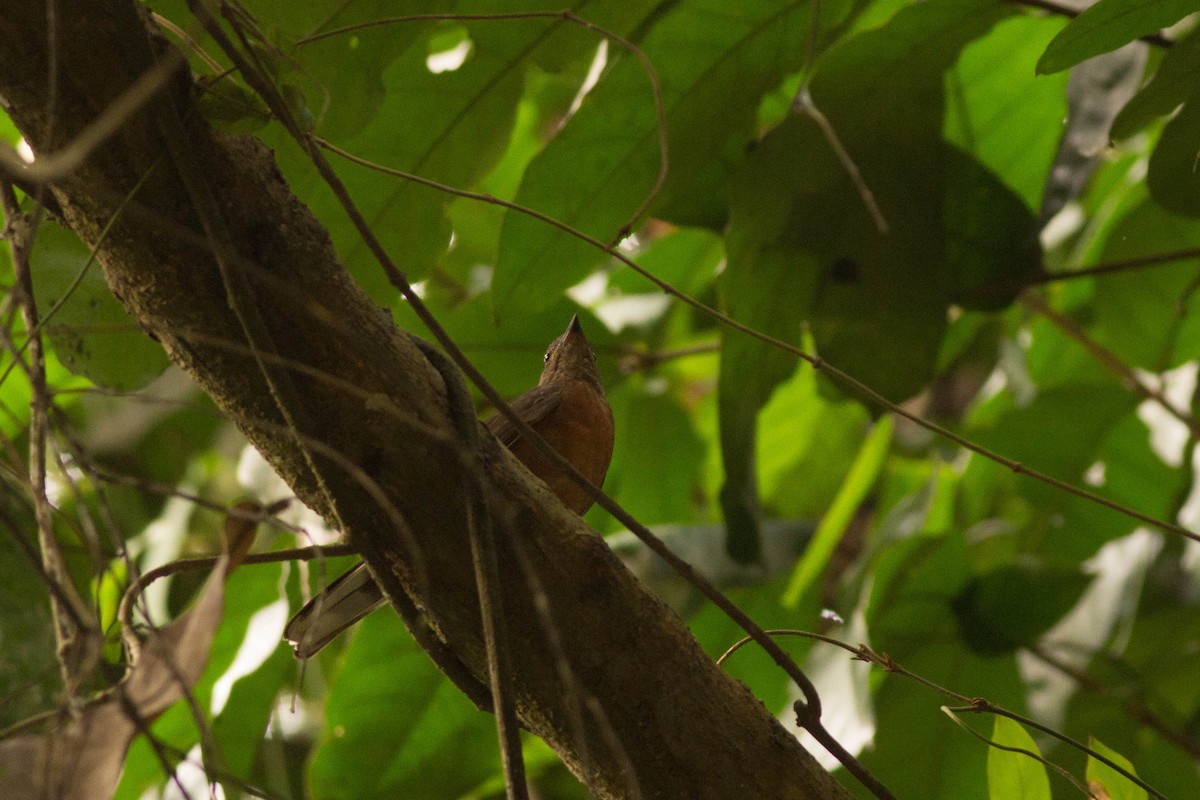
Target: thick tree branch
{"x":381,"y":457}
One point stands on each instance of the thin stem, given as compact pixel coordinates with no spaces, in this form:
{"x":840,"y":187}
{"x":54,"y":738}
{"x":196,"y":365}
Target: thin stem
{"x":1113,"y":267}
{"x":74,"y":630}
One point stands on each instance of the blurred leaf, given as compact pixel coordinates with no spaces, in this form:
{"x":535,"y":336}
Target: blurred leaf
{"x":241,"y":727}
{"x":657,"y":458}
{"x":30,"y":681}
{"x":1148,"y":318}
{"x":1173,"y":179}
{"x":1011,"y":606}
{"x":466,"y":117}
{"x":82,"y":757}
{"x":764,"y":296}
{"x":992,"y":246}
{"x":1066,"y":449}
{"x":802,"y":246}
{"x":878,"y":308}
{"x":1015,"y":776}
{"x":1174,"y":82}
{"x":806,"y":446}
{"x":89,"y":329}
{"x":909,"y":618}
{"x":859,"y":482}
{"x":1106,"y":26}
{"x":247,"y":591}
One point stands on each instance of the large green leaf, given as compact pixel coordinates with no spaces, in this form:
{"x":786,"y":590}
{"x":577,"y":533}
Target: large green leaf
{"x":713,"y":63}
{"x":922,"y":755}
{"x":430,"y":743}
{"x":999,"y":111}
{"x":1106,"y":26}
{"x":247,"y":592}
{"x":91,"y":333}
{"x":992,"y":246}
{"x":657,"y":457}
{"x":1011,"y":606}
{"x":749,"y":372}
{"x":802,"y":245}
{"x":1085,"y":414}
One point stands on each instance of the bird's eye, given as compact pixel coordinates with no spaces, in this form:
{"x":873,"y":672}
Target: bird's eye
{"x":546,"y":357}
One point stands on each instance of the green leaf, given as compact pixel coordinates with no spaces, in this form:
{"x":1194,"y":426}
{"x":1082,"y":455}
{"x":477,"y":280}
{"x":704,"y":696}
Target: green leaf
{"x":1173,"y":178}
{"x":992,"y":246}
{"x":1067,"y":448}
{"x":1174,"y":82}
{"x":90,"y":331}
{"x":1117,"y":785}
{"x":247,"y":591}
{"x":1106,"y":26}
{"x":802,"y":245}
{"x":807,"y":444}
{"x":431,"y":742}
{"x":859,"y":482}
{"x":713,"y":64}
{"x":1011,"y":606}
{"x":1015,"y":776}
{"x":239,"y":728}
{"x":1000,"y":111}
{"x":913,"y":575}
{"x":1149,"y":318}
{"x":763,"y":293}
{"x":879,"y":307}
{"x":29,"y":676}
{"x":686,"y":258}
{"x":465,"y":118}
{"x":657,"y":457}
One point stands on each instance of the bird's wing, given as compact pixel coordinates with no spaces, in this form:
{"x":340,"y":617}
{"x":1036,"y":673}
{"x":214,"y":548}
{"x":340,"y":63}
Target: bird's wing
{"x":532,"y":407}
{"x":338,"y":606}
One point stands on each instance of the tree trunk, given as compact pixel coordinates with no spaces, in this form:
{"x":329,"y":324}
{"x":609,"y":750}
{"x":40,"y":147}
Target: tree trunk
{"x":366,"y":438}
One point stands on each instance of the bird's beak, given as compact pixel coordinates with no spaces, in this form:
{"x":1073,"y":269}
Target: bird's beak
{"x":575,"y":327}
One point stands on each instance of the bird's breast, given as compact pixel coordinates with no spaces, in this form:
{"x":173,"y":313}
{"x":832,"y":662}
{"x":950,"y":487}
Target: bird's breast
{"x":580,"y":428}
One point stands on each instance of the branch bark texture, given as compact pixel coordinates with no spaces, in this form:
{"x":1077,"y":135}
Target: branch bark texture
{"x":366,"y":438}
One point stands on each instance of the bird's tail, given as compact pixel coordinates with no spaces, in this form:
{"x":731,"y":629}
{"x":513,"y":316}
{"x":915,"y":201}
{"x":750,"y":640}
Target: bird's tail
{"x":338,"y":606}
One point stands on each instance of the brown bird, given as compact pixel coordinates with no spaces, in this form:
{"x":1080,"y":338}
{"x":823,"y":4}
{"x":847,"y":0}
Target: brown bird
{"x":567,"y":408}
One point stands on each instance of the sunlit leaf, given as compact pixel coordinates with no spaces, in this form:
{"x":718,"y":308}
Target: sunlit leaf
{"x":1114,"y":783}
{"x":1015,"y":776}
